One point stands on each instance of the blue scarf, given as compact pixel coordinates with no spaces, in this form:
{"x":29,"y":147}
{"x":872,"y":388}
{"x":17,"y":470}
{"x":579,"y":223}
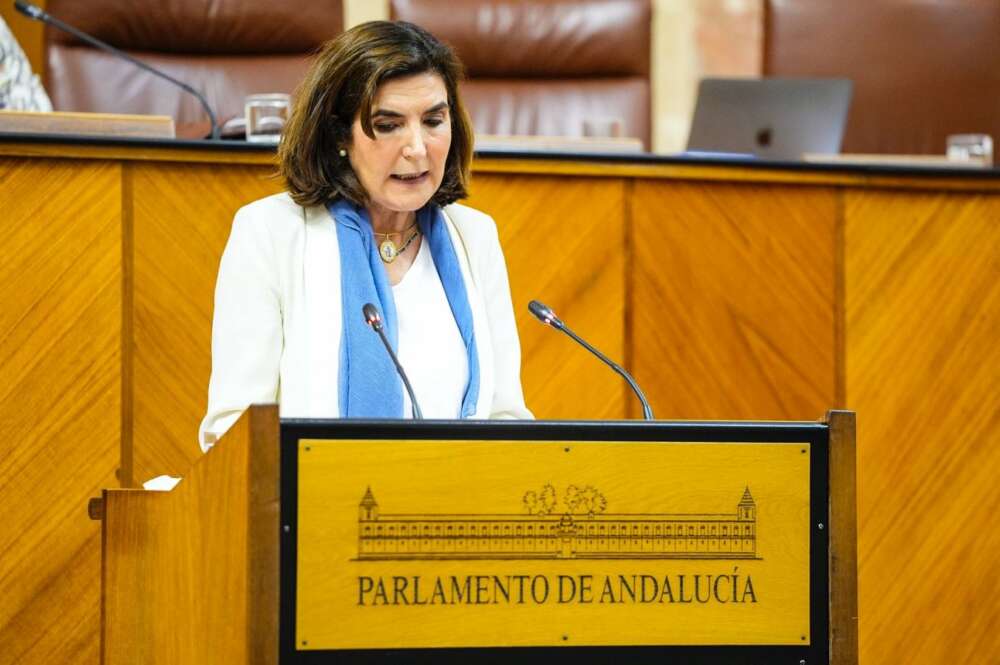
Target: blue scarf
{"x":368,"y":383}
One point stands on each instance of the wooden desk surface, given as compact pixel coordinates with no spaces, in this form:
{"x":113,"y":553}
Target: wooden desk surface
{"x":629,"y":165}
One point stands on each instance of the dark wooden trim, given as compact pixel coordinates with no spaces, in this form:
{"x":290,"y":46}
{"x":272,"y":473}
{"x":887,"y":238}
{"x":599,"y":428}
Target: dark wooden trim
{"x":839,"y":300}
{"x":843,"y":539}
{"x":263,"y":524}
{"x":632,"y":407}
{"x":103,"y":628}
{"x":630,"y":165}
{"x":126,"y":470}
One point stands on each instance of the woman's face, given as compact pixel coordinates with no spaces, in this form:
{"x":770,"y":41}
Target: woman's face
{"x":403,"y":166}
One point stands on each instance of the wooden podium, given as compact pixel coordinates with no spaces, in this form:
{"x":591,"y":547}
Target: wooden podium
{"x":339,"y":541}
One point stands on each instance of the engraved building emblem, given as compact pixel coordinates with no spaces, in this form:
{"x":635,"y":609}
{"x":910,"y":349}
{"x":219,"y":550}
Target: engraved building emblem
{"x":581,"y":530}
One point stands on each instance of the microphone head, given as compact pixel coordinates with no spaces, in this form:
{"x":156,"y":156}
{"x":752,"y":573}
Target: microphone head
{"x":28,"y":9}
{"x":544,"y":314}
{"x":372,"y":317}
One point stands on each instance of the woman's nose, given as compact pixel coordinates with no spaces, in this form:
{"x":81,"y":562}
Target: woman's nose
{"x":414,"y":148}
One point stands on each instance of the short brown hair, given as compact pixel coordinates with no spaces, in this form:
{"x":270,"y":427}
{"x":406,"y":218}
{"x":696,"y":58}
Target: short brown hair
{"x":341,"y":85}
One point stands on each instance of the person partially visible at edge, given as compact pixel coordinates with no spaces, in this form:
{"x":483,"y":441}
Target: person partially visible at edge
{"x":375,"y":155}
{"x":20,"y":89}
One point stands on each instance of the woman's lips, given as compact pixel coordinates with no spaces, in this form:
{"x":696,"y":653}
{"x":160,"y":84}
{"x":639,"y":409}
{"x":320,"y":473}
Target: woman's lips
{"x":410,"y":179}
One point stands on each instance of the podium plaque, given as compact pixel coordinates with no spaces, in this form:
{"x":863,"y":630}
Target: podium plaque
{"x":510,"y":542}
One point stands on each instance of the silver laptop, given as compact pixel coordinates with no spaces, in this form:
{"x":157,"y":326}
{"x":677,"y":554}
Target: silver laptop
{"x":773,"y":118}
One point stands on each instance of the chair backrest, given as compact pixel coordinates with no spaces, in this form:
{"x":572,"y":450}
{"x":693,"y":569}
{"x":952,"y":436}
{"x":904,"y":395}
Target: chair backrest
{"x":226,"y":50}
{"x":921,"y":70}
{"x":547,"y":67}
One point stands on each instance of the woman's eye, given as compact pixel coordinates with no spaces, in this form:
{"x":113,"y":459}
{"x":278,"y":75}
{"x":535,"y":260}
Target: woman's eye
{"x":434,"y":121}
{"x":384,"y":127}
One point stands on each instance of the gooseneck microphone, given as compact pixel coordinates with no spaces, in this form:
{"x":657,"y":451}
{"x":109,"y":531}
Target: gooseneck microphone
{"x":374,"y":321}
{"x":545,"y":314}
{"x":36,"y":13}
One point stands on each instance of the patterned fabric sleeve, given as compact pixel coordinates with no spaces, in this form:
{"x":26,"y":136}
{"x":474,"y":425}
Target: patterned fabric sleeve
{"x":20,"y":90}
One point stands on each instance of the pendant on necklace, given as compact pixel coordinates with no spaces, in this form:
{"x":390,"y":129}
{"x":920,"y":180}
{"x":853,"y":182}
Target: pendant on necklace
{"x":388,"y":251}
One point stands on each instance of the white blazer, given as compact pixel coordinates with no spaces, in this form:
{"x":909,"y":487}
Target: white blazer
{"x":277,"y":323}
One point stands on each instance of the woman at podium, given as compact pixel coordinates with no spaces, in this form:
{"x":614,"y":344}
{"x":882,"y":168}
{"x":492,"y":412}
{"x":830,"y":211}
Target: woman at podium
{"x":375,"y":155}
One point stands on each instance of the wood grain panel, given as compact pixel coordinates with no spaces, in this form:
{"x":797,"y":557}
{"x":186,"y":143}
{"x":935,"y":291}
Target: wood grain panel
{"x":191,"y":576}
{"x":922,"y":288}
{"x":563,"y":239}
{"x":182,"y":218}
{"x":175,"y":564}
{"x":60,"y":336}
{"x":731,"y":300}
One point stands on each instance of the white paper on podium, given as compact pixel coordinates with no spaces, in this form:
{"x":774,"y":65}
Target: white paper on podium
{"x":161,"y":483}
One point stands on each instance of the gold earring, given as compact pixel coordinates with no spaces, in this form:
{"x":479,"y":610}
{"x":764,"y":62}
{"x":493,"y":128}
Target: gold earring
{"x":343,"y":153}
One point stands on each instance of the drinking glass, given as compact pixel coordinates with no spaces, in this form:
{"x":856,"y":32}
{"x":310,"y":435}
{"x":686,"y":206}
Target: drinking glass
{"x":265,"y":116}
{"x":977,"y":148}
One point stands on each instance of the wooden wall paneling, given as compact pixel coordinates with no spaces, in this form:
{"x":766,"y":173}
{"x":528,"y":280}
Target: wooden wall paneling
{"x":731,"y":300}
{"x":563,"y":238}
{"x":922,"y":290}
{"x":60,"y":362}
{"x":182,"y":217}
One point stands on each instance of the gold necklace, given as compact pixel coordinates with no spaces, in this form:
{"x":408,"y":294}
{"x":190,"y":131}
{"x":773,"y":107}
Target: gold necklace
{"x":388,"y":251}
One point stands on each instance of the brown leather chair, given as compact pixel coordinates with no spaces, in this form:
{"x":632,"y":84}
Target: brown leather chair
{"x":226,"y":49}
{"x":547,"y":67}
{"x":921,"y":70}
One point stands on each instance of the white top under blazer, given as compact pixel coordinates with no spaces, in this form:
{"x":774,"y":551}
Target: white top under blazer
{"x":277,"y":322}
{"x":430,"y":349}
